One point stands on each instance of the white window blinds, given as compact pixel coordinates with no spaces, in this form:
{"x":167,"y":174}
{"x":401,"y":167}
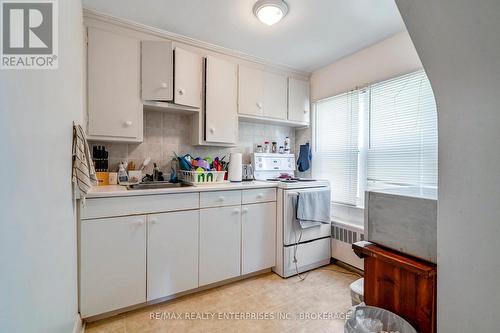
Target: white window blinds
{"x":336,"y":145}
{"x":403,"y":135}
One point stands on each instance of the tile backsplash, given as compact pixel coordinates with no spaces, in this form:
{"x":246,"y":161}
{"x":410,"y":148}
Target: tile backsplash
{"x":165,"y":133}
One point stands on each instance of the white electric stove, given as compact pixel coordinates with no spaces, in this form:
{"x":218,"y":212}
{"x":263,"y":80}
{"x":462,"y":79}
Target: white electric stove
{"x":310,"y":247}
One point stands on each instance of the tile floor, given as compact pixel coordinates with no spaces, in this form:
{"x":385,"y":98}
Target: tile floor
{"x":325,"y":292}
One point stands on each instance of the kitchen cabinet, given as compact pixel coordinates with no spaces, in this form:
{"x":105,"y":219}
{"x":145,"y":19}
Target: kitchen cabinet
{"x":250,"y":91}
{"x":221,"y":118}
{"x":114,"y":104}
{"x":188,"y":76}
{"x":298,"y":100}
{"x":261,"y":93}
{"x":220,"y":244}
{"x":172,"y":253}
{"x":157,"y":70}
{"x":112,"y":264}
{"x":258,"y":243}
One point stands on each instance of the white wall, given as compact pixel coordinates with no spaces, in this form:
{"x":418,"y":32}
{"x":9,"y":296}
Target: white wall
{"x":389,"y":58}
{"x":38,"y":263}
{"x":458,"y":42}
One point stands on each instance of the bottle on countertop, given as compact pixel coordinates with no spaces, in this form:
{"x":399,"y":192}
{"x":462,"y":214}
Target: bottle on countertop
{"x":281,"y":150}
{"x":274,"y":148}
{"x":259,"y":149}
{"x":267,"y":147}
{"x":287,"y":145}
{"x":122,"y":173}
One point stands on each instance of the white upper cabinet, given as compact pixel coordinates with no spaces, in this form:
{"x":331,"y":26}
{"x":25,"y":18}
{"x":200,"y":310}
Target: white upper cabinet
{"x":188,"y":78}
{"x":114,"y":103}
{"x":157,"y":70}
{"x":275,"y":96}
{"x":298,"y":100}
{"x":221,"y":118}
{"x":262,"y":94}
{"x":250,"y":91}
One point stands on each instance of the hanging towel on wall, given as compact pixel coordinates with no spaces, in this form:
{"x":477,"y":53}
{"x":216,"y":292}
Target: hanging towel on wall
{"x":305,"y":156}
{"x":313,"y":208}
{"x":84,"y":176}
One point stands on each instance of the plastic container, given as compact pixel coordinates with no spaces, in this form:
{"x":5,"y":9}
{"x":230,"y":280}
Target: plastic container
{"x":357,"y":292}
{"x":201,"y":178}
{"x":369,"y":319}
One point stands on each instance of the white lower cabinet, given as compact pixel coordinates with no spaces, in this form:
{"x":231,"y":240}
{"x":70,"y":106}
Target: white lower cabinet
{"x":172,"y":253}
{"x":220,"y":242}
{"x":112,"y":264}
{"x":258,"y":243}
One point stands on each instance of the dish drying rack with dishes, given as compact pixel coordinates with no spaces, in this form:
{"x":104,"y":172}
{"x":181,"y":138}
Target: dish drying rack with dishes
{"x":201,"y":171}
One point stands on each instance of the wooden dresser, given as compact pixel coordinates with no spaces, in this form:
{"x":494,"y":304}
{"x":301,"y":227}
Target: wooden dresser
{"x":401,"y":284}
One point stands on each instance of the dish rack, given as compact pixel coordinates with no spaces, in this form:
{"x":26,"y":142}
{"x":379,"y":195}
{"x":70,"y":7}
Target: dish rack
{"x":205,"y":177}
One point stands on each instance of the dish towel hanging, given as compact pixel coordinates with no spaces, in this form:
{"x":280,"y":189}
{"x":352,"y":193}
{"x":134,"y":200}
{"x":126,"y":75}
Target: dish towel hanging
{"x":83,"y":176}
{"x":305,"y":156}
{"x":313,"y":208}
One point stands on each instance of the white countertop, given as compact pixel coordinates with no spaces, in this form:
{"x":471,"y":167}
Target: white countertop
{"x":120,"y":191}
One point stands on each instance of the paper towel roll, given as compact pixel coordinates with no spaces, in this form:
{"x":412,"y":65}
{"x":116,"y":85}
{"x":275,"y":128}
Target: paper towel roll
{"x":235,"y":167}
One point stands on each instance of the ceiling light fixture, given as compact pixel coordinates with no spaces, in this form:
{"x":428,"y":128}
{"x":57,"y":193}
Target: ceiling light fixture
{"x":270,"y":11}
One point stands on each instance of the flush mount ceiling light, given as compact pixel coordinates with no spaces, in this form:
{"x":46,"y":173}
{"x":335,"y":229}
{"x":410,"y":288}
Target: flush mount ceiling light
{"x":270,"y":11}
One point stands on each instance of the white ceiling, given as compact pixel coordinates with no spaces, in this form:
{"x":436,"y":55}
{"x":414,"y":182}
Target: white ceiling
{"x":315,"y":33}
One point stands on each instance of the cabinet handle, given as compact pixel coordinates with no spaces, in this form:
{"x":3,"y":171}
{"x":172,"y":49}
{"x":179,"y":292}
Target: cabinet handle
{"x":153,"y":221}
{"x":138,"y":222}
{"x":245,"y":210}
{"x":260,"y":196}
{"x":212,"y":130}
{"x":305,"y":111}
{"x":236,"y":211}
{"x":221,"y":198}
{"x":163,"y":85}
{"x":259,"y":105}
{"x":127,"y":123}
{"x":181,"y":91}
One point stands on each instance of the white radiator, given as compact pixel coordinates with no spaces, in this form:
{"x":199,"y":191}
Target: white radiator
{"x":343,"y":235}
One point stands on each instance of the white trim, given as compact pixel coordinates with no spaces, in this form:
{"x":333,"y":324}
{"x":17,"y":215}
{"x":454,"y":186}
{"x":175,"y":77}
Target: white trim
{"x":92,"y":14}
{"x":78,"y":327}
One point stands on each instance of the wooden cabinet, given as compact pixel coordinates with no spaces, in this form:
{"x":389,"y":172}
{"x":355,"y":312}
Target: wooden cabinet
{"x":157,"y":70}
{"x":188,"y":78}
{"x":221,"y":118}
{"x":258,"y":243}
{"x":114,"y":103}
{"x":262,"y":94}
{"x":298,"y":100}
{"x":401,"y":284}
{"x":220,"y":242}
{"x":172,"y":253}
{"x":112,"y":264}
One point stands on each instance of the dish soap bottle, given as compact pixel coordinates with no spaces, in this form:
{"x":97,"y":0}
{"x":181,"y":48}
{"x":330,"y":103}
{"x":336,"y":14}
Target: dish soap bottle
{"x":122,"y":173}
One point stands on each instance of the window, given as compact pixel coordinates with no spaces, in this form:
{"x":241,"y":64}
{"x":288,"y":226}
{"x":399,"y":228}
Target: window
{"x":380,"y":136}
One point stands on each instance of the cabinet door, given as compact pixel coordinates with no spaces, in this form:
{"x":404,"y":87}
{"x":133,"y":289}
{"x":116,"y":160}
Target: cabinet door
{"x":188,"y":78}
{"x":250,"y":91}
{"x":112,"y":264}
{"x":114,"y":104}
{"x":220,"y":241}
{"x":221,"y":101}
{"x":258,"y":230}
{"x":157,"y":78}
{"x":275,"y":96}
{"x":298,"y":100}
{"x":172,"y":253}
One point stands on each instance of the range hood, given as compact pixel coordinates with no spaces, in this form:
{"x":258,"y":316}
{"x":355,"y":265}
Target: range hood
{"x":169,"y":106}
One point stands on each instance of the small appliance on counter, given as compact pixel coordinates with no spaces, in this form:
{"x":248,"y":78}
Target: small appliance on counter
{"x":247,"y":172}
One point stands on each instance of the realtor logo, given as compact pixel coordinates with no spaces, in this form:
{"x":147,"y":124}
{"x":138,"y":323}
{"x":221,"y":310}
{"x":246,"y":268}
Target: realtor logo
{"x":29,"y":34}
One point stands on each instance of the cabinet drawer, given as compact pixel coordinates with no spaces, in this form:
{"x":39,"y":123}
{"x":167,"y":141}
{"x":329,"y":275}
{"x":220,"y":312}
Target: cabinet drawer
{"x":220,"y":198}
{"x":259,"y":195}
{"x":121,"y":206}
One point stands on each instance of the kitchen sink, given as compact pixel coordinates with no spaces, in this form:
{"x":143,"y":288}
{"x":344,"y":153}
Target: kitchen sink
{"x":156,"y":185}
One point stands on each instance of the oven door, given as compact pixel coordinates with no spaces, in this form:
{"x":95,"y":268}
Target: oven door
{"x":291,"y":227}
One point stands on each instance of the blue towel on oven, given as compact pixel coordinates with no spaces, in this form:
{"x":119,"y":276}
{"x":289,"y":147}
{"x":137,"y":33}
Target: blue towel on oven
{"x":313,"y":208}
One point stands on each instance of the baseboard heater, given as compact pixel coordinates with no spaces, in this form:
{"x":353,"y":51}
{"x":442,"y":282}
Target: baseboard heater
{"x":343,"y":236}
